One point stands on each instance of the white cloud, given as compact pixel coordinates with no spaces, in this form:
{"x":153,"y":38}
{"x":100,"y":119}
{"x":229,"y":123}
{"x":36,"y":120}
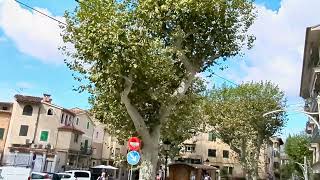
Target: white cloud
{"x":33,"y":34}
{"x":278,"y":51}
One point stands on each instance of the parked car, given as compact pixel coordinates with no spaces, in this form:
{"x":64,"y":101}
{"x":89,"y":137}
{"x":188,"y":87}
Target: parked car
{"x":65,"y":176}
{"x":38,"y":175}
{"x":79,"y":174}
{"x":11,"y":172}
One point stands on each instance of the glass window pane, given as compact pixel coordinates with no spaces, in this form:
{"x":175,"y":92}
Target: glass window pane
{"x":1,"y":133}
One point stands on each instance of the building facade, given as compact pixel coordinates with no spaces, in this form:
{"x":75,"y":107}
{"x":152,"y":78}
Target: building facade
{"x":5,"y":116}
{"x":46,"y":136}
{"x":310,"y":88}
{"x":206,"y":148}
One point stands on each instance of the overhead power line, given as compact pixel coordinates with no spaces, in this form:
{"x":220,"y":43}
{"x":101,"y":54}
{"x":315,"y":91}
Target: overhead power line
{"x":52,"y":18}
{"x":226,"y":79}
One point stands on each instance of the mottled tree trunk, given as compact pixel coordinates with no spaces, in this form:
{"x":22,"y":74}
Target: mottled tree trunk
{"x":150,"y":152}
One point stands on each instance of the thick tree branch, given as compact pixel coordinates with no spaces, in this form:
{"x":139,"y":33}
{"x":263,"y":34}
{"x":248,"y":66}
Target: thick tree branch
{"x":178,"y":94}
{"x":137,"y":119}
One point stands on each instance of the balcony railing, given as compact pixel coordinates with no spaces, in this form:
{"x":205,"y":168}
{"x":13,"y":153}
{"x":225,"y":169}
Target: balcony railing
{"x":86,"y":150}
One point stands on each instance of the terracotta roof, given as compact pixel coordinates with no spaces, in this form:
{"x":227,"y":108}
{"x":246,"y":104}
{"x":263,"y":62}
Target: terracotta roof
{"x":6,"y":103}
{"x":77,"y":110}
{"x":28,"y":99}
{"x":68,"y":111}
{"x":71,"y":129}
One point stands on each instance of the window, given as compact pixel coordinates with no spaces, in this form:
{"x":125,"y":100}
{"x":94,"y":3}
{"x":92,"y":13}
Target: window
{"x":1,"y":133}
{"x":190,"y":148}
{"x":230,"y":170}
{"x":211,"y":153}
{"x":212,"y":136}
{"x":77,"y":121}
{"x":88,"y":125}
{"x":76,"y":138}
{"x":27,"y":110}
{"x":44,"y":136}
{"x":97,"y":134}
{"x":225,"y":154}
{"x":50,"y":112}
{"x":5,"y":108}
{"x":62,"y":119}
{"x":81,"y":174}
{"x":23,"y":130}
{"x":69,"y":120}
{"x":276,"y":165}
{"x":66,"y":119}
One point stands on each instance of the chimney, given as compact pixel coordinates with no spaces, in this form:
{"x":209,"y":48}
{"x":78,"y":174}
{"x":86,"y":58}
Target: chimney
{"x":47,"y":98}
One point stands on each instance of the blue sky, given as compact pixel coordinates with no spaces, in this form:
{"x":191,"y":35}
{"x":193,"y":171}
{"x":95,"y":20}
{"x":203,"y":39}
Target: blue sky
{"x":31,"y":64}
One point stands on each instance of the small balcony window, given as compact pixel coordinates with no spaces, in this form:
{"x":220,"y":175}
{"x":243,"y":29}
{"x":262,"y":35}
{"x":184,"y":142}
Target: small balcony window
{"x":27,"y":110}
{"x":50,"y":112}
{"x":225,"y":154}
{"x":212,"y":153}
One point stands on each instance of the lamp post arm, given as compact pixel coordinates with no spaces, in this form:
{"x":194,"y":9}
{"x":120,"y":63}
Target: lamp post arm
{"x":299,"y":111}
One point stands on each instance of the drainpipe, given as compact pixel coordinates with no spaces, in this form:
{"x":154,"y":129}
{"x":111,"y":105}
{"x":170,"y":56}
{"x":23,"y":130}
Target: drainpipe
{"x":37,"y":123}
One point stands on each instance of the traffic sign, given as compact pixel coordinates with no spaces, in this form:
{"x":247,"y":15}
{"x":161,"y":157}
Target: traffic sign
{"x":133,"y":158}
{"x":134,"y":144}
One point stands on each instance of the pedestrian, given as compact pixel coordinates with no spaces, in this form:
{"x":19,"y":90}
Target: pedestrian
{"x":207,"y":177}
{"x":158,"y":177}
{"x":102,"y":177}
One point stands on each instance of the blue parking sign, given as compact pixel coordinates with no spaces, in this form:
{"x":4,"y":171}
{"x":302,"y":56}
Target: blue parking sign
{"x":133,"y":158}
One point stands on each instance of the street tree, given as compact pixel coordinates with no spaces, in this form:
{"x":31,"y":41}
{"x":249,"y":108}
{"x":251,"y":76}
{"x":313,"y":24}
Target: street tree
{"x":297,"y":147}
{"x":139,"y":60}
{"x":236,"y":114}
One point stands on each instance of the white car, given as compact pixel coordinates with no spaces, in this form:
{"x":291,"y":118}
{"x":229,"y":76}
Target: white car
{"x":79,"y":175}
{"x":11,"y":172}
{"x":65,"y":176}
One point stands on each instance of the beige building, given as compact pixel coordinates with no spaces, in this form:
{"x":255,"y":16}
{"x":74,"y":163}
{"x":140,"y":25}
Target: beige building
{"x":60,"y":138}
{"x":206,"y":148}
{"x":5,"y":116}
{"x":310,"y":89}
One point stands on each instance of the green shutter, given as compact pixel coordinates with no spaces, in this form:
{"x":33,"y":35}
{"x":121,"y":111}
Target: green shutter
{"x":1,"y":133}
{"x":44,"y":136}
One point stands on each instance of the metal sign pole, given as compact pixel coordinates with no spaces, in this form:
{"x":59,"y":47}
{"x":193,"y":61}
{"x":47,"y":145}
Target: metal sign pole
{"x":131,"y":174}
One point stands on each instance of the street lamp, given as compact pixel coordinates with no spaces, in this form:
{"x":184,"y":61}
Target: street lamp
{"x":166,"y":148}
{"x":303,"y":166}
{"x":299,"y":111}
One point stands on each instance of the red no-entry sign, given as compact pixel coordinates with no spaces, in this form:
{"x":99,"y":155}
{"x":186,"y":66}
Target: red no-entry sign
{"x":134,"y":144}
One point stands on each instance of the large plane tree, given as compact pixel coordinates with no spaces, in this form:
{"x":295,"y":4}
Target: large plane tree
{"x":139,"y":61}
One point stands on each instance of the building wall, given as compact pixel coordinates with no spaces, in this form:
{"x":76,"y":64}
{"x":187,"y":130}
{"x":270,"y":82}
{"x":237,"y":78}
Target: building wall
{"x":19,"y":119}
{"x":84,"y":119}
{"x":5,"y":116}
{"x":49,"y":123}
{"x":202,"y":145}
{"x":64,"y":140}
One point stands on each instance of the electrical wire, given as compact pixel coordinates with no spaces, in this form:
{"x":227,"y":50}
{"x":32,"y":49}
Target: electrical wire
{"x":52,"y":18}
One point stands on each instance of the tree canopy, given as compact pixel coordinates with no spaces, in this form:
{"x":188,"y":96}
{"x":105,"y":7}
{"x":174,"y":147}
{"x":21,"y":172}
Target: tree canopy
{"x":139,"y":59}
{"x":297,"y":147}
{"x":236,"y":113}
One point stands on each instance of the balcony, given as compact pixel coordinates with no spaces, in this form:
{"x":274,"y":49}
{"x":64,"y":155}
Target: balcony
{"x":86,"y":150}
{"x":315,"y":135}
{"x":309,"y":127}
